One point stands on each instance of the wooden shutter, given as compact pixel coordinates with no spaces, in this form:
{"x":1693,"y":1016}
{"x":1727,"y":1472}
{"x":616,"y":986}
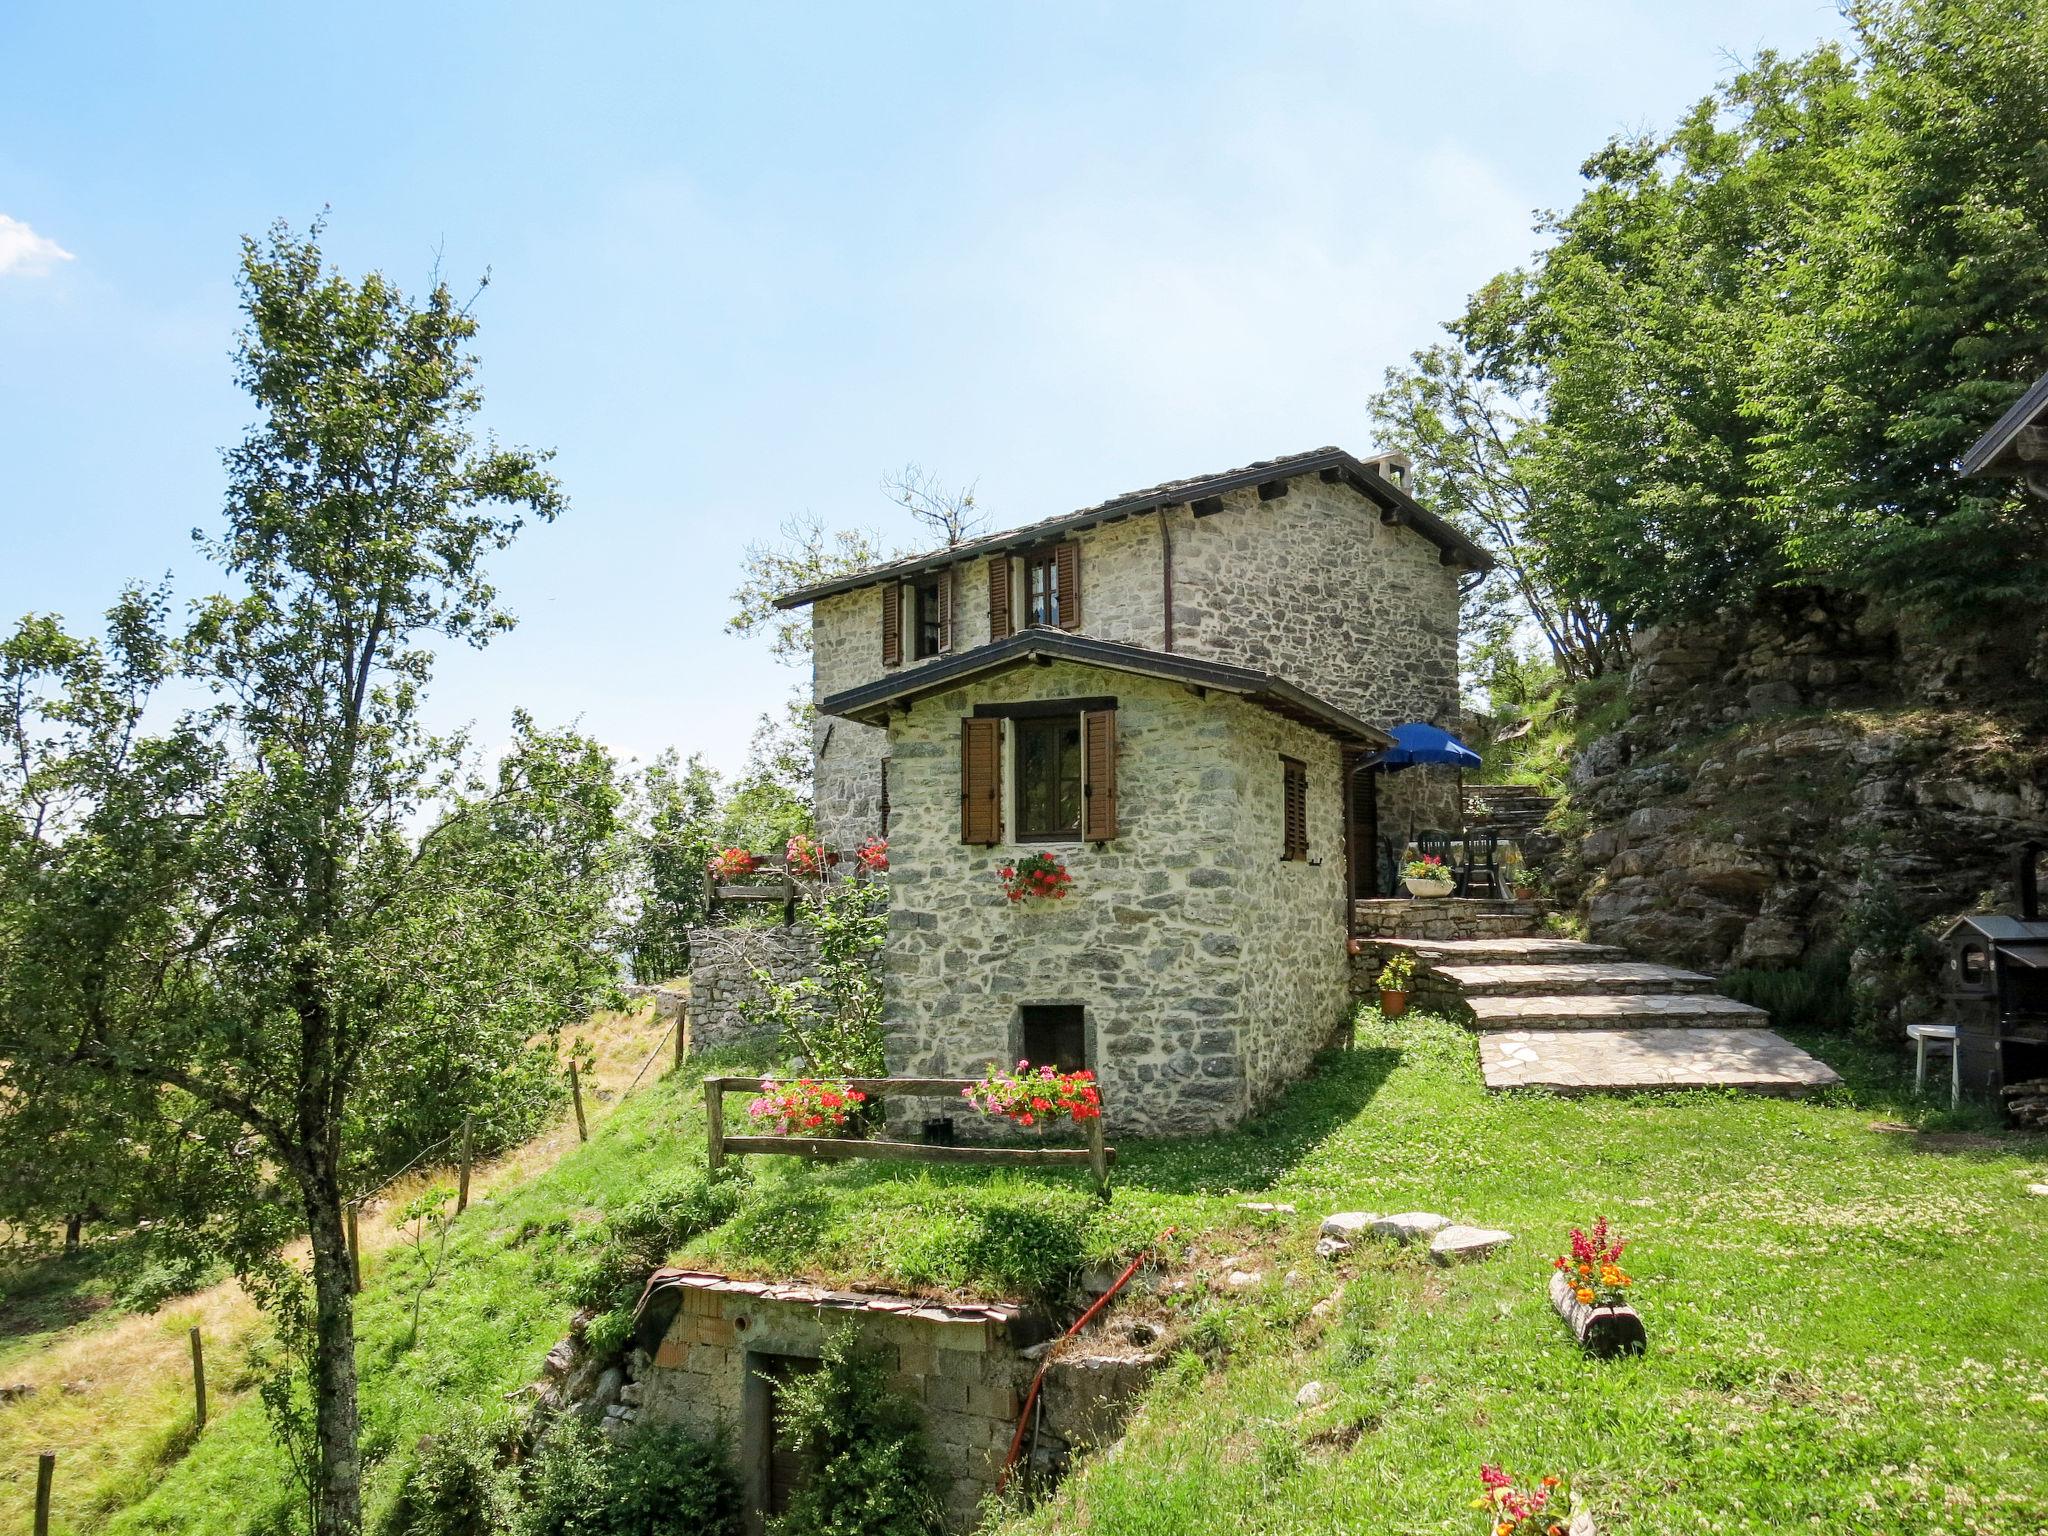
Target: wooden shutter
{"x":1068,"y":558}
{"x":1098,"y":775}
{"x":981,"y":781}
{"x":946,"y":610}
{"x":1294,"y":809}
{"x":999,"y":622}
{"x":892,"y":624}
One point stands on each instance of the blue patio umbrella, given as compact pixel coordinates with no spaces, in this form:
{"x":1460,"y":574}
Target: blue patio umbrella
{"x":1420,"y":742}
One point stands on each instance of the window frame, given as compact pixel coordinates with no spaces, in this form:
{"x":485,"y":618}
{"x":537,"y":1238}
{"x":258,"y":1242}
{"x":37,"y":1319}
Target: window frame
{"x":1046,"y":560}
{"x":928,"y":618}
{"x":1054,"y":724}
{"x":1078,"y":1019}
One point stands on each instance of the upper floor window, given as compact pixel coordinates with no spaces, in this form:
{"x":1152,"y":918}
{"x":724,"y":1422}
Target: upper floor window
{"x":931,"y":618}
{"x":1042,"y":588}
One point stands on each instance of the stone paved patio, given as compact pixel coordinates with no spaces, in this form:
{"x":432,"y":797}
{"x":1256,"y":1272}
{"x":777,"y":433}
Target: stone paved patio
{"x":1628,"y":1060}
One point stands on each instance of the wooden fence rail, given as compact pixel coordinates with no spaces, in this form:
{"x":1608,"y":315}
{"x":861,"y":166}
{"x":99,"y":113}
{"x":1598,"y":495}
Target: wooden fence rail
{"x":1096,"y":1157}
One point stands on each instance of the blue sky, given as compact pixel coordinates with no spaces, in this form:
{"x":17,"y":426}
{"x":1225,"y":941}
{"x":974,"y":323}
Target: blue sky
{"x":746,"y":260}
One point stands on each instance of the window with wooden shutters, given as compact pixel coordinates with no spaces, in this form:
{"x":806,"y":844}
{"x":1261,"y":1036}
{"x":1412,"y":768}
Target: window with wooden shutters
{"x":933,"y":619}
{"x":1098,"y":791}
{"x":892,"y":624}
{"x":1067,"y":603}
{"x":999,"y":621}
{"x":1293,"y":809}
{"x":981,"y":781}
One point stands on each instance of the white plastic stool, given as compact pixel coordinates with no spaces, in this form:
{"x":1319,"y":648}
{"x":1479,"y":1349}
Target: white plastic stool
{"x":1920,"y":1034}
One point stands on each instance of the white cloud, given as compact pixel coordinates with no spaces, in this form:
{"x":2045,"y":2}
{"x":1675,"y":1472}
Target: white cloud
{"x":24,"y":253}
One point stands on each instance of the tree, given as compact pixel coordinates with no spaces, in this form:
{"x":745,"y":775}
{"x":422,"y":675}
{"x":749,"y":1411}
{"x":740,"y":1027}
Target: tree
{"x":951,"y":515}
{"x":804,"y":555}
{"x":1472,"y":451}
{"x":264,"y":909}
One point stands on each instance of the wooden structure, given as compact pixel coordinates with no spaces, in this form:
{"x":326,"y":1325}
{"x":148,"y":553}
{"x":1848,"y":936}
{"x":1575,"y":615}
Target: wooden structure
{"x":774,"y":884}
{"x":1602,"y":1331}
{"x":1095,"y":1156}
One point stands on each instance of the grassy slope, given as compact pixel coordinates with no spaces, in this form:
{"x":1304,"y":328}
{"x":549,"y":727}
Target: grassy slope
{"x":1844,"y":1323}
{"x":113,"y":1389}
{"x":1838,"y":1314}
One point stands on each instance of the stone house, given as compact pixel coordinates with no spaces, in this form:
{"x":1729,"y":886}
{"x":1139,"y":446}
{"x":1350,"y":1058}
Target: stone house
{"x":1171,"y":691}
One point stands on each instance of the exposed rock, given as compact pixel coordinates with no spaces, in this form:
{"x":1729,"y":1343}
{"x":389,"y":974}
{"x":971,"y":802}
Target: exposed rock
{"x":1463,"y":1245}
{"x":563,"y":1358}
{"x":16,"y":1392}
{"x":1331,"y":1247}
{"x":604,"y":1394}
{"x":1242,"y":1279}
{"x":1313,"y":1394}
{"x":1347,"y":1225}
{"x":1266,"y":1207}
{"x":2038,"y":1189}
{"x":1409,"y":1226}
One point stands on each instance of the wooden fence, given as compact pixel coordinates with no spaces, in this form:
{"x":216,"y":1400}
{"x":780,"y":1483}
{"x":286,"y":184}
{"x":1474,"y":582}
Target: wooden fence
{"x":1096,"y":1157}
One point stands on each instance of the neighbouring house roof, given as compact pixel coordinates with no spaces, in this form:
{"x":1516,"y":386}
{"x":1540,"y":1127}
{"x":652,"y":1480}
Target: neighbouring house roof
{"x":871,"y":703}
{"x":1395,"y":505}
{"x":2001,"y":450}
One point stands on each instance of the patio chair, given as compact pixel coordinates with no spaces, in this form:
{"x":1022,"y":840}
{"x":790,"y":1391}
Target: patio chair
{"x":1481,"y":875}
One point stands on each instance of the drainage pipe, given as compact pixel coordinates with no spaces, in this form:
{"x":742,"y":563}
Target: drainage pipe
{"x":1031,"y":1397}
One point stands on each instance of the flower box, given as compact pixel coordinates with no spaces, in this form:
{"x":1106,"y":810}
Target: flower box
{"x":1602,"y":1331}
{"x":1589,"y":1288}
{"x":1429,"y":887}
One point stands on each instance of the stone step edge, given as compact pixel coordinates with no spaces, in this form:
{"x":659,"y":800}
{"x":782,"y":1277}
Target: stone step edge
{"x":1496,"y":1013}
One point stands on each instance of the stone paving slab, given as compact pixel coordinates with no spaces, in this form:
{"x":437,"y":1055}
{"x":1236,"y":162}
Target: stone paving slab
{"x":1503,"y":951}
{"x":1624,"y":1010}
{"x":1638,"y":1060}
{"x":1596,"y":976}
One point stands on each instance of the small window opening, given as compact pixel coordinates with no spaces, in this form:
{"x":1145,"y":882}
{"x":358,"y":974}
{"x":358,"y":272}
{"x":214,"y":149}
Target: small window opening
{"x":1054,"y":1035}
{"x":1042,"y":589}
{"x":929,"y":607}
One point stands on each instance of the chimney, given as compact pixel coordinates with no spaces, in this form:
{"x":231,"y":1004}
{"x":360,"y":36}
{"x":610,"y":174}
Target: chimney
{"x":1394,"y":468}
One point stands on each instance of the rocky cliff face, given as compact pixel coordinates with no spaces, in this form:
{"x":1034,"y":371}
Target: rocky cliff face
{"x":1785,"y":770}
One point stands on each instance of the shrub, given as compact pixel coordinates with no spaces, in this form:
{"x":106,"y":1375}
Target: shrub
{"x":459,"y":1486}
{"x":640,"y":1235}
{"x":866,"y":1471}
{"x":658,"y":1482}
{"x":1811,"y":995}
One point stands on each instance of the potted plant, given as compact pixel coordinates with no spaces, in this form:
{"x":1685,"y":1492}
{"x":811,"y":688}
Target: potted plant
{"x":1428,"y":876}
{"x":1538,"y":1511}
{"x":1393,"y":983}
{"x":1038,"y":876}
{"x":1589,"y":1288}
{"x":1036,"y":1096}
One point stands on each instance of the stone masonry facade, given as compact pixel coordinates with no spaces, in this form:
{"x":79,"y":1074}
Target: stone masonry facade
{"x":1209,"y":968}
{"x":725,"y":969}
{"x":1312,"y":587}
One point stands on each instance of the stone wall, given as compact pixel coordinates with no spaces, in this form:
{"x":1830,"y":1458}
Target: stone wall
{"x":723,"y":967}
{"x":1209,"y":967}
{"x":1312,"y":587}
{"x":965,"y":1367}
{"x":1785,"y":767}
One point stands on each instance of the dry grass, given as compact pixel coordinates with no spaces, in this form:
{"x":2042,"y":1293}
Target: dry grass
{"x":112,"y":1395}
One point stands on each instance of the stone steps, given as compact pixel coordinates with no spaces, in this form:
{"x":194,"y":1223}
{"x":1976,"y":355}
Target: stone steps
{"x":1646,"y":1060}
{"x":1572,"y":979}
{"x":1614,"y":1011}
{"x":1529,"y":951}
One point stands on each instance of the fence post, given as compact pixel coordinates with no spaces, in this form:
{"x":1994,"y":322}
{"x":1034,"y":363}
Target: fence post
{"x":198,"y":1379}
{"x":714,"y":1123}
{"x":355,"y":1251}
{"x":462,"y":1175}
{"x":46,"y":1473}
{"x":576,"y":1095}
{"x":682,"y":1032}
{"x":1098,"y":1157}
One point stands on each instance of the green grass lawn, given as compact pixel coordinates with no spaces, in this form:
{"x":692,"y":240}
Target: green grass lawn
{"x":1845,"y":1322}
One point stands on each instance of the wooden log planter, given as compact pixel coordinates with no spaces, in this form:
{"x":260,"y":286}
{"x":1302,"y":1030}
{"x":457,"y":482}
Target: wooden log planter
{"x":1602,"y":1331}
{"x":1095,"y":1156}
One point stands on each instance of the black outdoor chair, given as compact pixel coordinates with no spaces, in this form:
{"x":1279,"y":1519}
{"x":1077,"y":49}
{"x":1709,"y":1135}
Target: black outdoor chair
{"x":1434,"y":845}
{"x":1481,"y":875}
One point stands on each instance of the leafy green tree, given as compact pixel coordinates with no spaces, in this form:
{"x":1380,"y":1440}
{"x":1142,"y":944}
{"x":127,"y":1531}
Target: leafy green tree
{"x":260,"y":910}
{"x":678,"y":821}
{"x":1754,"y":349}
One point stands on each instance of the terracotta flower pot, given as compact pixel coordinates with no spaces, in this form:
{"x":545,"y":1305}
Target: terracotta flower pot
{"x":1393,"y":1004}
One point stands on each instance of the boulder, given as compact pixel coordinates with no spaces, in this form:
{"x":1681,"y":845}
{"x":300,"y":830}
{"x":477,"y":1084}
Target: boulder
{"x":1331,"y":1247}
{"x":1409,"y":1226}
{"x":1464,"y":1245}
{"x":1347,"y":1225}
{"x":1312,"y":1394}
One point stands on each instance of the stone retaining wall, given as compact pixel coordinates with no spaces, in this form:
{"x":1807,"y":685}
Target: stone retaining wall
{"x":965,"y":1367}
{"x":723,"y":967}
{"x":1447,"y":917}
